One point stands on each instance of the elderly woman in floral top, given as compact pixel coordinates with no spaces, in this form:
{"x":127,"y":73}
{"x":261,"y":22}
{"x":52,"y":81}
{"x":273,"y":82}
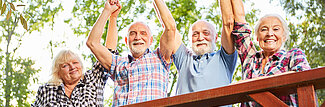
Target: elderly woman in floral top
{"x":271,"y":32}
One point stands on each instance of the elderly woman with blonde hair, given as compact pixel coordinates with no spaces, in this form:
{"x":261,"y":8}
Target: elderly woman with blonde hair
{"x":69,"y":86}
{"x":271,"y":32}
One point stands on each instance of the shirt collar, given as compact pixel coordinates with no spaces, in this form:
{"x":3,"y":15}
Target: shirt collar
{"x":275,"y":56}
{"x":131,"y":58}
{"x":206,"y":55}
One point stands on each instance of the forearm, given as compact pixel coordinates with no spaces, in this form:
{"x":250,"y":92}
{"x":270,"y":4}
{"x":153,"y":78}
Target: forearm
{"x":112,"y":36}
{"x":238,"y":10}
{"x":93,"y":42}
{"x":97,"y":30}
{"x":165,"y":15}
{"x":228,"y":24}
{"x":170,"y":39}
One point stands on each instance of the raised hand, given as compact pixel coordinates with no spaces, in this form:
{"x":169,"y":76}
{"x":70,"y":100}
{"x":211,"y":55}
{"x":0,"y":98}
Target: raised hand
{"x":110,"y":7}
{"x":116,"y":12}
{"x":113,"y":1}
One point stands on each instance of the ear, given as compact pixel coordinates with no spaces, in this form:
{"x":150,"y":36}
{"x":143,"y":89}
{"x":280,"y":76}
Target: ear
{"x":126,"y":40}
{"x":151,"y":38}
{"x":216,"y":37}
{"x":256,"y":38}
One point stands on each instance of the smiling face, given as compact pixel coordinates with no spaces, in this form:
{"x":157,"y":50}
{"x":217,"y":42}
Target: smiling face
{"x":70,"y":71}
{"x":270,"y":34}
{"x":203,"y":37}
{"x":139,"y":38}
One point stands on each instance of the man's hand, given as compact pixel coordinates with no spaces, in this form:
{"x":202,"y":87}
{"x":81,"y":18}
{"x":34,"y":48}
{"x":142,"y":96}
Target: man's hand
{"x":116,"y":12}
{"x":110,"y":7}
{"x":113,"y":1}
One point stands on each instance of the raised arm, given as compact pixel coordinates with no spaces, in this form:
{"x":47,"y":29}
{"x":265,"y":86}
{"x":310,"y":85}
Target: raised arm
{"x":112,"y":37}
{"x":238,"y":10}
{"x":170,"y":39}
{"x":227,"y":41}
{"x":93,"y":42}
{"x":241,"y":32}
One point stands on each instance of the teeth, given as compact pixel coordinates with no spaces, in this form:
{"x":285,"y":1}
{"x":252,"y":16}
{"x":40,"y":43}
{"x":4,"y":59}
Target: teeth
{"x":269,"y":41}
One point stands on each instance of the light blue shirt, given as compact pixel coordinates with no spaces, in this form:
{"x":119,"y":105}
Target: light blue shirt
{"x":197,"y":73}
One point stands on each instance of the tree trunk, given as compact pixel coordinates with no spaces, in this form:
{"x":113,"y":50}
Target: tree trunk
{"x":8,"y":78}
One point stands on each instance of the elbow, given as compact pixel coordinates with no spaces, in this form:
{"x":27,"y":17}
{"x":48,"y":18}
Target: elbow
{"x":90,"y":44}
{"x":170,"y":24}
{"x":171,"y":29}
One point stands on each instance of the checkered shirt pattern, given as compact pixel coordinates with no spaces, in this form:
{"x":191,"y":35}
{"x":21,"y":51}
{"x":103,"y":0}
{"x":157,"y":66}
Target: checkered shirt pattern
{"x":281,"y":61}
{"x":138,"y":80}
{"x":88,"y":92}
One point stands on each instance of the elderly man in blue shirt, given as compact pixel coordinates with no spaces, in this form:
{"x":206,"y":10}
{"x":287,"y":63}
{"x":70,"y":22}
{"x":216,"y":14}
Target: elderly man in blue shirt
{"x":207,"y":67}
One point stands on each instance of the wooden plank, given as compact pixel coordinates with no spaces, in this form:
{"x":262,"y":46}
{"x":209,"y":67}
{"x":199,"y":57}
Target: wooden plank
{"x":306,"y":96}
{"x":267,"y":99}
{"x":278,"y":85}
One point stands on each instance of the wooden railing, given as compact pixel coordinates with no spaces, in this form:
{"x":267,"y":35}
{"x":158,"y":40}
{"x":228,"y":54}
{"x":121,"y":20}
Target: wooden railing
{"x":263,"y":91}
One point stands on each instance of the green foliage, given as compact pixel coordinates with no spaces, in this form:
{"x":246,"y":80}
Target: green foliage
{"x":17,"y":73}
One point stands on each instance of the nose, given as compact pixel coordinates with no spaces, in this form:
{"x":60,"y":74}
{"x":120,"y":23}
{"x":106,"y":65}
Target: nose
{"x":72,"y":66}
{"x":137,"y":37}
{"x":201,"y":37}
{"x":270,"y":33}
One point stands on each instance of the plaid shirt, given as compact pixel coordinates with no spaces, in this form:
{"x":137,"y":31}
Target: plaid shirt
{"x":281,"y":61}
{"x":87,"y":93}
{"x":138,"y":80}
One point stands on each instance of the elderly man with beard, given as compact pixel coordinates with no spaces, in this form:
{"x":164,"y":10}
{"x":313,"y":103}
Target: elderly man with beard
{"x":139,"y":77}
{"x":206,"y":68}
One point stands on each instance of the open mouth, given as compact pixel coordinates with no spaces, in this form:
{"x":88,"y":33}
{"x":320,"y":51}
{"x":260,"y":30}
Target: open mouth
{"x":201,"y":44}
{"x":269,"y":41}
{"x":138,"y":43}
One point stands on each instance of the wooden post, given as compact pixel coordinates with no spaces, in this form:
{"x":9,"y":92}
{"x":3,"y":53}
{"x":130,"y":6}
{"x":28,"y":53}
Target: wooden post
{"x":306,"y":96}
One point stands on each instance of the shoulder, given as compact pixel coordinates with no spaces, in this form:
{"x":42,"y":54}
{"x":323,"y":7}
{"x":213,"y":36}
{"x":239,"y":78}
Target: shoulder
{"x":47,"y":87}
{"x":296,"y":52}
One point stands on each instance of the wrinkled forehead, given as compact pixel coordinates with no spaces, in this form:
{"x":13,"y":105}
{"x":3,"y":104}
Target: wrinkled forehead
{"x":270,"y":21}
{"x":202,"y":26}
{"x":139,"y":26}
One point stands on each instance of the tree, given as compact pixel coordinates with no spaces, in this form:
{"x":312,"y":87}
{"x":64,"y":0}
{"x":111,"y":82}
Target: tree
{"x":308,"y":32}
{"x":17,"y":72}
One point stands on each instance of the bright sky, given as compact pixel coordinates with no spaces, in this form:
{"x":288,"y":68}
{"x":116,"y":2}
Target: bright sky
{"x":36,"y":44}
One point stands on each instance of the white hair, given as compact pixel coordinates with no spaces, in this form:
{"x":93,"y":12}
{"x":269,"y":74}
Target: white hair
{"x":283,"y":22}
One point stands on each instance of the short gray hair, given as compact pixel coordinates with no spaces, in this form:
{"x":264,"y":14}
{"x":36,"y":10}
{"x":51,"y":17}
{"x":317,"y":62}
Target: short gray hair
{"x":138,"y":22}
{"x":283,"y":22}
{"x":214,"y":30}
{"x":63,"y":57}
